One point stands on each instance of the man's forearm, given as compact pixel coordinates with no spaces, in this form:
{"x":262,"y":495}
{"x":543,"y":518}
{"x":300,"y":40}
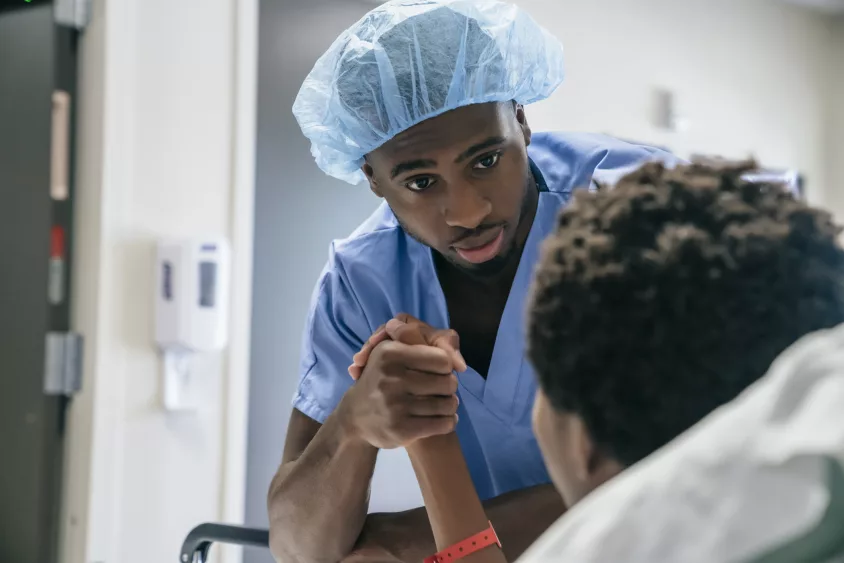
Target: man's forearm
{"x":317,"y":504}
{"x":519,"y":517}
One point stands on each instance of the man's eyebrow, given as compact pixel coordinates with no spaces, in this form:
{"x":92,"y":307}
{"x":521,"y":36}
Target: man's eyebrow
{"x":411,"y":165}
{"x":483,"y":145}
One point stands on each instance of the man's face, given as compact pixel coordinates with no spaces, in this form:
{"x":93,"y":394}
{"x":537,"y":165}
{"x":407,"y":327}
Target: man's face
{"x":459,"y":183}
{"x":575,"y":465}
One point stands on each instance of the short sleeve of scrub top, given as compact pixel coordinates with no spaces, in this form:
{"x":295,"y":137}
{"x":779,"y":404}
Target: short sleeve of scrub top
{"x":335,"y":330}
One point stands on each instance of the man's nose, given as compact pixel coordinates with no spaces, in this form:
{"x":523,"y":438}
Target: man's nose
{"x":465,"y":206}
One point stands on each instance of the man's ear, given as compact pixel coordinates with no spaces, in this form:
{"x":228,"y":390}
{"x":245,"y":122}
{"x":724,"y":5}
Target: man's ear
{"x":370,"y":176}
{"x":522,"y":119}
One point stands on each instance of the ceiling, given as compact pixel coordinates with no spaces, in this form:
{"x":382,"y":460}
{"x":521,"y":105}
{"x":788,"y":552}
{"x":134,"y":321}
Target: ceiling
{"x":827,"y":6}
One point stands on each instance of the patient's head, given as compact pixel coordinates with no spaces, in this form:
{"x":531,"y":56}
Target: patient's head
{"x":659,"y":300}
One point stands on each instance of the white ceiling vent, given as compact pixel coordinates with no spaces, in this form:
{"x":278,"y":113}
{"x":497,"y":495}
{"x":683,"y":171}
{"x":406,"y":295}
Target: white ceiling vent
{"x":827,"y":6}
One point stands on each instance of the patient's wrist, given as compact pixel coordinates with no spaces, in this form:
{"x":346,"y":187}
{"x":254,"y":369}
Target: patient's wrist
{"x":435,"y":449}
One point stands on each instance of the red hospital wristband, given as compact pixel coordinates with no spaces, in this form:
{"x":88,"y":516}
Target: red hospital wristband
{"x":467,"y":547}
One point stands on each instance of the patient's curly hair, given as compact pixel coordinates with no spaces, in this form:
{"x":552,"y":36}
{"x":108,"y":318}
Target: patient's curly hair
{"x":663,"y":298}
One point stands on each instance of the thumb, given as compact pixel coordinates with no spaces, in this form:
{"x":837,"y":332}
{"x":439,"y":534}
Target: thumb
{"x":449,"y":341}
{"x":419,"y":333}
{"x":405,"y":333}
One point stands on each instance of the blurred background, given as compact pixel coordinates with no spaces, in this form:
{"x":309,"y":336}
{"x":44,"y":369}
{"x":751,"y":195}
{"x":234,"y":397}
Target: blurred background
{"x":124,"y":123}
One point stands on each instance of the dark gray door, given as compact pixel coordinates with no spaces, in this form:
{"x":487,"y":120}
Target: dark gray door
{"x":36,"y":61}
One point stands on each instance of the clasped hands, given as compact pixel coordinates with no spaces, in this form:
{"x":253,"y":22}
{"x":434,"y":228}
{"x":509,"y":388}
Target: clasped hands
{"x":405,"y":386}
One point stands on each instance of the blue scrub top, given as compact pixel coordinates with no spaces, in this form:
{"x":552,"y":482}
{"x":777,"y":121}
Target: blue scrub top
{"x":379,"y":272}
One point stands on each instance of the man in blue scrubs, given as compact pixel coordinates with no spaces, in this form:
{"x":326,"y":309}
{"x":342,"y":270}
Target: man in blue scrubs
{"x":425,"y":101}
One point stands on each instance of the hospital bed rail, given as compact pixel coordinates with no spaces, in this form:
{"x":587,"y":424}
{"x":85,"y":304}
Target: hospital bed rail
{"x":201,"y":538}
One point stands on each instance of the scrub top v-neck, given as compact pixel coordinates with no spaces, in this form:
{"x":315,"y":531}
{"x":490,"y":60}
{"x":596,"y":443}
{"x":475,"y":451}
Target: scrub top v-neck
{"x":497,"y":409}
{"x":379,"y":272}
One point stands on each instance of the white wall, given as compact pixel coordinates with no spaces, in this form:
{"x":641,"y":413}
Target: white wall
{"x":156,"y":150}
{"x":750,"y":76}
{"x":835,"y":128}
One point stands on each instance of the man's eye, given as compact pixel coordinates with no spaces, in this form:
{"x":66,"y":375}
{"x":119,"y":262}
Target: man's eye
{"x":419,"y":184}
{"x":488,"y":161}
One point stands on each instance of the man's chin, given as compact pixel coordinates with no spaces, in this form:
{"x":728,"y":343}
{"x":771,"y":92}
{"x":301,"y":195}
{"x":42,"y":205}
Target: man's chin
{"x":484,"y":270}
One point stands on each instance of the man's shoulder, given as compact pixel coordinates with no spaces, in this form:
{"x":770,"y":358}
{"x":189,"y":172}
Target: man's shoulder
{"x":380,"y":228}
{"x":370,"y":253}
{"x":577,"y":145}
{"x":569,"y":160}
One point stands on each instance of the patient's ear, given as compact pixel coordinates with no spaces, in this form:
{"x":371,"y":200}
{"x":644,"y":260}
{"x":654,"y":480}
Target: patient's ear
{"x":591,"y":466}
{"x":586,"y":455}
{"x":598,"y":466}
{"x":576,"y":464}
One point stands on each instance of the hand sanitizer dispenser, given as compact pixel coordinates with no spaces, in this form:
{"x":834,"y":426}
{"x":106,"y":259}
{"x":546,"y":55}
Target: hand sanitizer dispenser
{"x":191,"y":310}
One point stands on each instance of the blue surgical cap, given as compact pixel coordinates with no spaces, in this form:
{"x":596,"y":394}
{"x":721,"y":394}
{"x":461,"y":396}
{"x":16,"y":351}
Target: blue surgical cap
{"x":410,"y":60}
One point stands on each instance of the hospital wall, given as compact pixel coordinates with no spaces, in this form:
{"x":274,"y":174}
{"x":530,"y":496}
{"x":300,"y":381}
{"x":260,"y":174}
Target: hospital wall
{"x":750,"y":77}
{"x":835,"y":131}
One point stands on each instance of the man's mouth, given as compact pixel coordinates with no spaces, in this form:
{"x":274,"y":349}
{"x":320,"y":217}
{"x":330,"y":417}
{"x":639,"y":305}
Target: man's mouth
{"x":480,"y":252}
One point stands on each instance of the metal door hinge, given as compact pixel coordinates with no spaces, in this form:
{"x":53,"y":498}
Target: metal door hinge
{"x":63,"y":363}
{"x":73,"y":13}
